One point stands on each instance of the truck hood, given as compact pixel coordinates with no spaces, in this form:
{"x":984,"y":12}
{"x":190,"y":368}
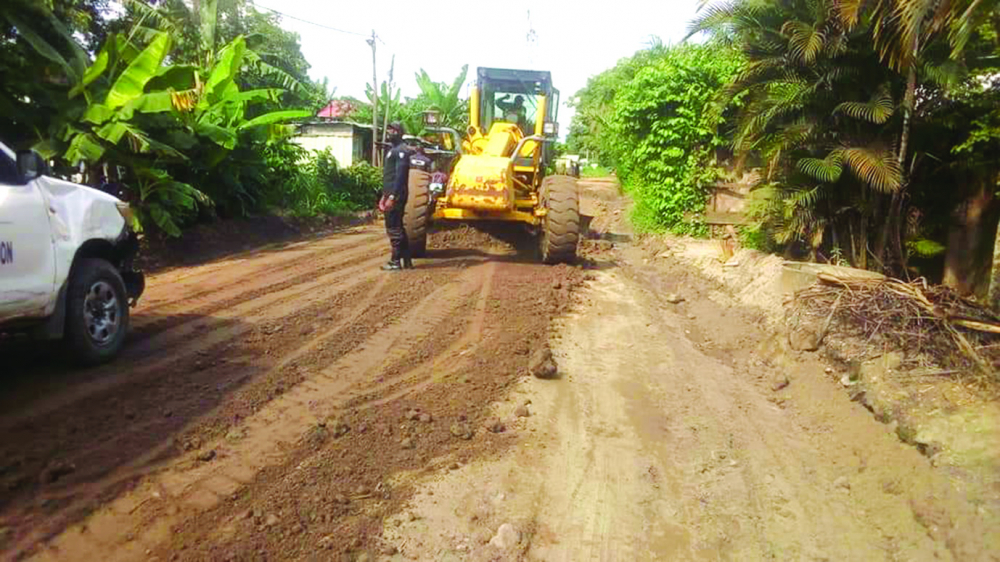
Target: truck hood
{"x":80,"y":213}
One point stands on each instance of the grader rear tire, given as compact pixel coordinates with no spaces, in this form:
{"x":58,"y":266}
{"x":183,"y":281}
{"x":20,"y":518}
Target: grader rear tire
{"x":417,"y":213}
{"x":561,"y":225}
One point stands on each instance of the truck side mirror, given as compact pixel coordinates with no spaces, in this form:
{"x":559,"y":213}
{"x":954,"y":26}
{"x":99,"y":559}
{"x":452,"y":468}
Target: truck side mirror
{"x":30,"y":165}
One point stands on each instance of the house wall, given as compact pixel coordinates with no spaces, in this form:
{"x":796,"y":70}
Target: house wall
{"x":340,"y":141}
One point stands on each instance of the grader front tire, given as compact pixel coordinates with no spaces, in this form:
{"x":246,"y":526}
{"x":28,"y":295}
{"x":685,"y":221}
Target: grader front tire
{"x":416,"y":215}
{"x":561,"y":225}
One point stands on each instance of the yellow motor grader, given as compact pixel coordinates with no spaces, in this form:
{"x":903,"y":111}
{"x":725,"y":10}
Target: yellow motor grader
{"x":495,"y":171}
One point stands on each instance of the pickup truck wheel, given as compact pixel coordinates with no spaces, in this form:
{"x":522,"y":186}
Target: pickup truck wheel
{"x":97,"y":313}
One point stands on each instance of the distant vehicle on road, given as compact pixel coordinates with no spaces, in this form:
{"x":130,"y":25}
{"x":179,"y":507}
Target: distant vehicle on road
{"x":66,"y":253}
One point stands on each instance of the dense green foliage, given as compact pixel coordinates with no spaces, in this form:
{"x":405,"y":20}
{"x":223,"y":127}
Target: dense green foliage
{"x":857,"y":111}
{"x":184,"y":110}
{"x":873,"y":127}
{"x":440,"y":96}
{"x":319,"y":186}
{"x":650,"y":123}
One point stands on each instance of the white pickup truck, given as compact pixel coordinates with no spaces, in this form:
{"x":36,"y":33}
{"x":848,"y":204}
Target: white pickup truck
{"x":66,"y":254}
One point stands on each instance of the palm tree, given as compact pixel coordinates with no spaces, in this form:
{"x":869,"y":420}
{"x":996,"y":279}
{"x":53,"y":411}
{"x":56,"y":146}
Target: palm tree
{"x":813,"y":101}
{"x":904,"y":30}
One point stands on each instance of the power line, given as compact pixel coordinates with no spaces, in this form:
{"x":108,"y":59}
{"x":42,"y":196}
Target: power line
{"x":312,"y":22}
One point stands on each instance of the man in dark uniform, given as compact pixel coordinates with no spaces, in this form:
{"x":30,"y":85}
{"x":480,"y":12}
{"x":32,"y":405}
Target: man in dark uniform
{"x":395,"y":179}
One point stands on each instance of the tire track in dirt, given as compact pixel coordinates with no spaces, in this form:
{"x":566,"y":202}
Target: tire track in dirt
{"x":236,"y":292}
{"x":448,"y":361}
{"x":205,"y":281}
{"x":303,"y":490}
{"x":200,"y":334}
{"x":193,"y":485}
{"x":90,"y":493}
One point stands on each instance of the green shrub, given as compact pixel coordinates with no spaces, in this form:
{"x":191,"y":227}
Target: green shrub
{"x":664,"y":139}
{"x":320,"y":186}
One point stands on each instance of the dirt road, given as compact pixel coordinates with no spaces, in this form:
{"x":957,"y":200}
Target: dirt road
{"x":298,"y":403}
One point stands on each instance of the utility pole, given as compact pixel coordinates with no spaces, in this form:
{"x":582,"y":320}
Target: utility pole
{"x":388,"y":100}
{"x":374,"y":104}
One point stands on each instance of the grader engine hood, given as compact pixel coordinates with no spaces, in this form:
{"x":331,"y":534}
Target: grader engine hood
{"x":482,"y":183}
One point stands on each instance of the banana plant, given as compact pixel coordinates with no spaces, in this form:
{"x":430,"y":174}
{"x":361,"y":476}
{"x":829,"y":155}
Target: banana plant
{"x":141,"y":112}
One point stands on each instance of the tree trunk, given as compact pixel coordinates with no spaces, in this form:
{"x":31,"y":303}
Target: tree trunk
{"x":994,"y":291}
{"x":965,"y":259}
{"x":891,"y":235}
{"x":909,"y":101}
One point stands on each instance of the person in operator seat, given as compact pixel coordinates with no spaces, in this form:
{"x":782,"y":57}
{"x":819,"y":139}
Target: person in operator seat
{"x":513,"y":112}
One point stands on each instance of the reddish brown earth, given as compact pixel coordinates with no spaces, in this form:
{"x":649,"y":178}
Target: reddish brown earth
{"x":297,"y":403}
{"x":213,"y":345}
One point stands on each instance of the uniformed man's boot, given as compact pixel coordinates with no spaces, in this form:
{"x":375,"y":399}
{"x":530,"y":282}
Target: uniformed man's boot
{"x":393,"y":265}
{"x":407,"y":263}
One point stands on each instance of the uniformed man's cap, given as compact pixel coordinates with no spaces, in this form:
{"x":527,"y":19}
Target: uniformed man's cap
{"x":396,"y":125}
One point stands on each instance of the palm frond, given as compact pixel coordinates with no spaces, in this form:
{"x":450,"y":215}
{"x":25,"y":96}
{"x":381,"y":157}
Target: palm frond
{"x":713,"y":17}
{"x":877,"y":110}
{"x":849,"y":11}
{"x":878,"y":169}
{"x":804,"y":40}
{"x":826,"y":169}
{"x":948,"y":74}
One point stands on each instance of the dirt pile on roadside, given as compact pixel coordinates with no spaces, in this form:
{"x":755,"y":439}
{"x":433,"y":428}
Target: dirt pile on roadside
{"x":941,"y":410}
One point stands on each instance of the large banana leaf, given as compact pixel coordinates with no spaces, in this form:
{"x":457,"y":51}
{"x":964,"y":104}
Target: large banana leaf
{"x":221,"y":136}
{"x":208,"y":15}
{"x":225,"y":70}
{"x":84,"y":147}
{"x":156,"y":102}
{"x":174,"y":77}
{"x":40,"y":45}
{"x":97,"y":68}
{"x":131,"y":83}
{"x":98,"y":113}
{"x":276,"y":117}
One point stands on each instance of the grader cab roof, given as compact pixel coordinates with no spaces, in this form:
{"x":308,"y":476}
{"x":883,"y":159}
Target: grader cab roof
{"x":517,"y":81}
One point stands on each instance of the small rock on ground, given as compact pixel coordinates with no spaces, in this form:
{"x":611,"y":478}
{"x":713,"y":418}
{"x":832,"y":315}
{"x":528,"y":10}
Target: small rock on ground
{"x":461,"y":431}
{"x":522,"y":412}
{"x":407,"y":443}
{"x":674,"y":298}
{"x":780,"y":382}
{"x":426,"y":418}
{"x":206,"y":456}
{"x":495,"y":425}
{"x":542,"y":365}
{"x":803,"y":339}
{"x":506,"y":538}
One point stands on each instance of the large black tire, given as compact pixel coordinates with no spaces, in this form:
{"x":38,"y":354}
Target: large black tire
{"x":560,"y":197}
{"x":97,"y":311}
{"x":417,"y":213}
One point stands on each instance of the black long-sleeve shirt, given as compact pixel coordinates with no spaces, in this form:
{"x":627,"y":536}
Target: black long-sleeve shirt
{"x":396,"y":172}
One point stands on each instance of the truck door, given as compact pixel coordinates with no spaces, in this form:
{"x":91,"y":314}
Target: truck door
{"x":27,"y":257}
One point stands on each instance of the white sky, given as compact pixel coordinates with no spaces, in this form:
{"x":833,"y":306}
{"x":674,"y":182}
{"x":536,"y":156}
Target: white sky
{"x":574,"y":41}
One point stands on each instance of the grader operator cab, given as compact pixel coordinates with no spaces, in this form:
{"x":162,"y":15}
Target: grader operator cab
{"x":495,"y":171}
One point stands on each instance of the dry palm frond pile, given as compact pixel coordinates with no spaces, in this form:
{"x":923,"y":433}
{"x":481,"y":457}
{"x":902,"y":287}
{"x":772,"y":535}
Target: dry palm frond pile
{"x":924,"y":321}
